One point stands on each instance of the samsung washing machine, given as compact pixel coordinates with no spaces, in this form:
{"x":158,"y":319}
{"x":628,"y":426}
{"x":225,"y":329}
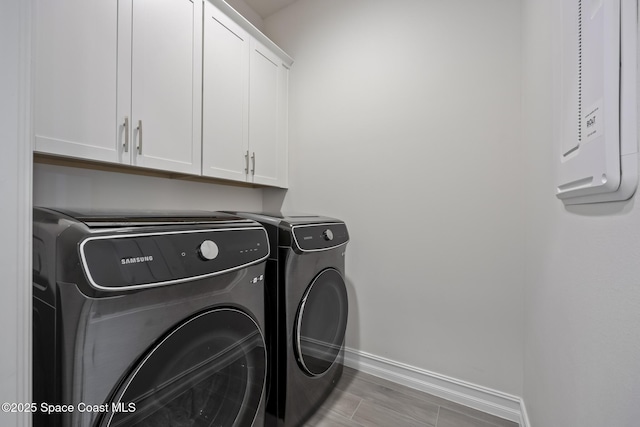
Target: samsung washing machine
{"x":147,"y":319}
{"x":306,"y":309}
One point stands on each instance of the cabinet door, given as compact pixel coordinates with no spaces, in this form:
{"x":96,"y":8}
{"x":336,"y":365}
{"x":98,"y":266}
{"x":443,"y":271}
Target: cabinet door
{"x":225,"y":97}
{"x":267,"y":110}
{"x":167,"y":84}
{"x":75,"y":85}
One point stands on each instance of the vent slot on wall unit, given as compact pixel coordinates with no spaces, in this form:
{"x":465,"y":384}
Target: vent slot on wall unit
{"x":598,"y":158}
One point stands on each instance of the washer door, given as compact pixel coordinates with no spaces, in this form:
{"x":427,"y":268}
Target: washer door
{"x":209,"y":371}
{"x":321,"y":322}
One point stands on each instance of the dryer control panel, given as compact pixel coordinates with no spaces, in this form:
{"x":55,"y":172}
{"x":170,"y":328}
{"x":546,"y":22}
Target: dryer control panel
{"x":131,"y":261}
{"x":319,"y":237}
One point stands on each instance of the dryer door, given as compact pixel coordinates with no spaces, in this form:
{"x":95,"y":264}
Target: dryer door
{"x":321,"y":322}
{"x":209,"y":370}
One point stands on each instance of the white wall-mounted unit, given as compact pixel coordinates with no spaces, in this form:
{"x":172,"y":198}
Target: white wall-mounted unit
{"x":599,"y":149}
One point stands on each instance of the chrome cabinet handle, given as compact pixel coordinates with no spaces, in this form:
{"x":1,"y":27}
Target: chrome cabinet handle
{"x":246,"y":162}
{"x":126,"y":134}
{"x":139,"y":136}
{"x":253,"y":164}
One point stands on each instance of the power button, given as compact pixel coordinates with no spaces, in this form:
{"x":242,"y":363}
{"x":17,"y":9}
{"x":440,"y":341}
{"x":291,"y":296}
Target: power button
{"x":208,"y":250}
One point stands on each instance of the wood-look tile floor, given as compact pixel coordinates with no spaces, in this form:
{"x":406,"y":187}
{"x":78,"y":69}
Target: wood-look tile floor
{"x":363,"y":400}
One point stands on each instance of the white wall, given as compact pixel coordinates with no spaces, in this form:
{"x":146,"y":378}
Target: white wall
{"x":582,"y":312}
{"x":405,"y":122}
{"x":58,"y":186}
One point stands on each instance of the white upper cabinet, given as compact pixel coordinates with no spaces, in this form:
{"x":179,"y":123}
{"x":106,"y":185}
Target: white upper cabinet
{"x":166,"y":84}
{"x":183,"y":86}
{"x":75,"y":84}
{"x":267,"y":111}
{"x":245,"y":91}
{"x":119,"y":81}
{"x":225,"y":136}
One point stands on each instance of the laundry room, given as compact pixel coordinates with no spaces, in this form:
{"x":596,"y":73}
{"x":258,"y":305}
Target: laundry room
{"x":477,"y":297}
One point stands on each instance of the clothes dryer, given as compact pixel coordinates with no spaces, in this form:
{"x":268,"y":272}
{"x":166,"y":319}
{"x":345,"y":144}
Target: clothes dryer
{"x":148,"y":319}
{"x":307,"y":309}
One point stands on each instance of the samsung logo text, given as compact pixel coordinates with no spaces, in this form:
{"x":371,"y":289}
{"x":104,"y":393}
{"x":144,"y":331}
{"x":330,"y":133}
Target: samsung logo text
{"x":136,"y":260}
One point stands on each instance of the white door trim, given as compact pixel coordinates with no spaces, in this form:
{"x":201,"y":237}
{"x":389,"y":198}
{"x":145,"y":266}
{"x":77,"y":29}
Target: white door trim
{"x":18,"y":230}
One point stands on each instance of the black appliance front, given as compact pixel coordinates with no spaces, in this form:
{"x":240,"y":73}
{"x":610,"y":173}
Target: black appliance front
{"x":314,"y":297}
{"x":307,"y":310}
{"x":148,"y":325}
{"x":209,"y":370}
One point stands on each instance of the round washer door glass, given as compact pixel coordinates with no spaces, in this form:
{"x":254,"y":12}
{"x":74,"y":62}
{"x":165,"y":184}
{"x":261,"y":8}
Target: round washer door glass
{"x":321,"y":322}
{"x":208,"y":371}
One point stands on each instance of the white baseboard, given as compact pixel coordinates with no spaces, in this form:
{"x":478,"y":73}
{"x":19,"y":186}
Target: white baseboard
{"x":484,"y":399}
{"x":524,"y":417}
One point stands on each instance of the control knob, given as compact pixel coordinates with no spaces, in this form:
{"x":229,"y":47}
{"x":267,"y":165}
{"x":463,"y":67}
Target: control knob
{"x":208,"y":250}
{"x":327,"y":234}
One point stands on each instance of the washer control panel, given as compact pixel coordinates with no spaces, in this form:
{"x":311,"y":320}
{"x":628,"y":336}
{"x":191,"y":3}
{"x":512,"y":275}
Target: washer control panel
{"x":147,"y":259}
